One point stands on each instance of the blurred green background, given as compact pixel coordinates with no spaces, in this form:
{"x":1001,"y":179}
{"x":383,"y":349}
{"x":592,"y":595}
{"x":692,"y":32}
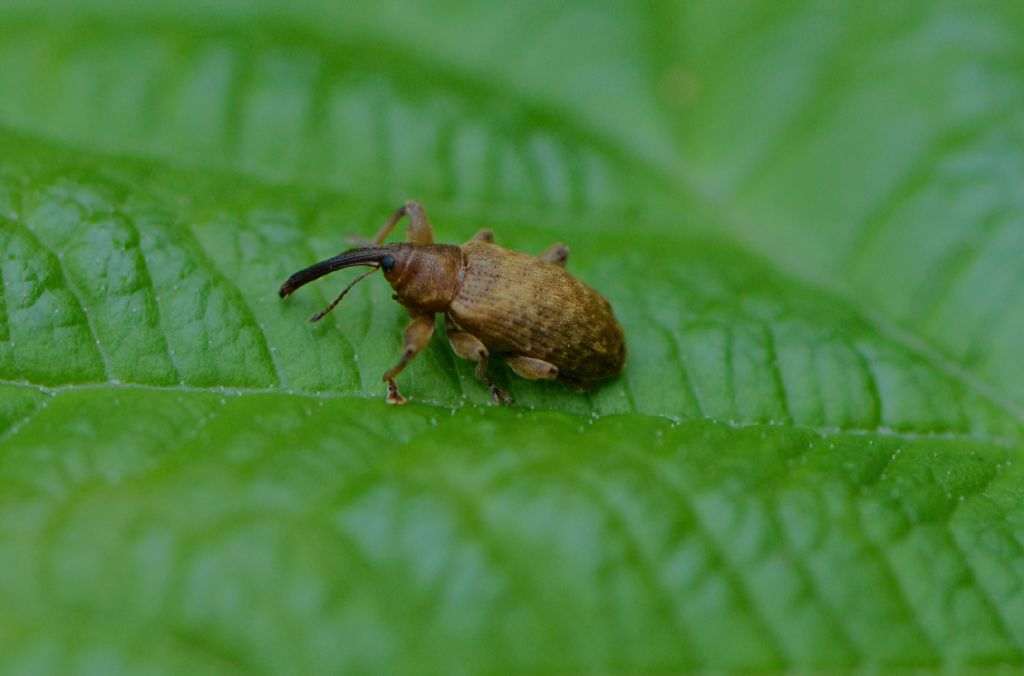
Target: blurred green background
{"x":807,"y":215}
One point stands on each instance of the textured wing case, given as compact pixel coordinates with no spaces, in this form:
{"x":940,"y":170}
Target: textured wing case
{"x":517,"y":304}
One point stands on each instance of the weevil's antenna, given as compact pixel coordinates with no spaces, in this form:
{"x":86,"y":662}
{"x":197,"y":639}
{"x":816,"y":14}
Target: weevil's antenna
{"x":320,"y":315}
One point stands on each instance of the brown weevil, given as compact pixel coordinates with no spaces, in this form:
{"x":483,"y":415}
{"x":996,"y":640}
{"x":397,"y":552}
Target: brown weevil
{"x":526,"y":309}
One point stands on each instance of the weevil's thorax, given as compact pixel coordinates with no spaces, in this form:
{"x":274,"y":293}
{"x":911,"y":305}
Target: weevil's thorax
{"x":425,"y":277}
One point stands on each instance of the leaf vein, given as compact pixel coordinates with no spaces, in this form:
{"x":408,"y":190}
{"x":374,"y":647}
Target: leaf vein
{"x":243,"y":303}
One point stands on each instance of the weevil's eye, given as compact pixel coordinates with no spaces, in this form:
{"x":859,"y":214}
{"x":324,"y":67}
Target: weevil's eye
{"x":387,"y":263}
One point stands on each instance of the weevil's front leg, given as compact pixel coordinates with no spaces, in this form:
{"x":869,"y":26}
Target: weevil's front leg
{"x":557,"y":253}
{"x":419,"y":230}
{"x":484,"y":235}
{"x":469,"y":347}
{"x":417,"y":335}
{"x":532,"y":369}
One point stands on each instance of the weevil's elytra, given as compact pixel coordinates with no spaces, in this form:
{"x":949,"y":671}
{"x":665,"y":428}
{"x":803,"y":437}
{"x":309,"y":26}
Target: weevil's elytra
{"x":527,"y":310}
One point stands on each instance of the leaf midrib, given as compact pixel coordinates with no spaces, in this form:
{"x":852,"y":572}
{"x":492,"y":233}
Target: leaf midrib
{"x":824,"y":432}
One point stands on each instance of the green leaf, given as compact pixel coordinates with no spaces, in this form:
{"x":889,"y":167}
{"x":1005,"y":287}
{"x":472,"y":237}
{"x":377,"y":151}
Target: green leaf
{"x":806,"y":215}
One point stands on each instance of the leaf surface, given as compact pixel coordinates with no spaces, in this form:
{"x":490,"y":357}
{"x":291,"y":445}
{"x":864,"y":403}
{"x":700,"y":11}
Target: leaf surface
{"x":806,"y":219}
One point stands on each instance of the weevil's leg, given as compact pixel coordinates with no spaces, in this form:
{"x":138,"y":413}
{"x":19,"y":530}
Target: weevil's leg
{"x":469,"y":347}
{"x":484,"y":235}
{"x":417,"y":335}
{"x":419,"y":230}
{"x":532,"y":369}
{"x":557,"y":253}
{"x":382,"y":234}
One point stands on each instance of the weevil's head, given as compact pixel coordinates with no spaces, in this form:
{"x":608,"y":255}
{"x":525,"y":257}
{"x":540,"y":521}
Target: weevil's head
{"x":425,"y":277}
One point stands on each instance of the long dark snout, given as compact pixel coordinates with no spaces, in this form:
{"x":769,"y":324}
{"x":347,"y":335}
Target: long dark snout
{"x":365,"y":256}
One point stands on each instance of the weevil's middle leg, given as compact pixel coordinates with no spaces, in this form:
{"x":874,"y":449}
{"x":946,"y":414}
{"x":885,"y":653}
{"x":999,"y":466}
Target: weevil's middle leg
{"x":469,"y":347}
{"x":417,"y":335}
{"x":557,"y":253}
{"x":419,"y":230}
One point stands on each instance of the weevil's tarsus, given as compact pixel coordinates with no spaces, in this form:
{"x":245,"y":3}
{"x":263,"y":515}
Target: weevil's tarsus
{"x":320,"y":315}
{"x":394,"y":397}
{"x":498,"y":395}
{"x":470,"y":347}
{"x":557,"y":253}
{"x":417,"y":335}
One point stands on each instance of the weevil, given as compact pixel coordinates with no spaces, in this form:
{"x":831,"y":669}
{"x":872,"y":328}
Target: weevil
{"x":528,"y":310}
